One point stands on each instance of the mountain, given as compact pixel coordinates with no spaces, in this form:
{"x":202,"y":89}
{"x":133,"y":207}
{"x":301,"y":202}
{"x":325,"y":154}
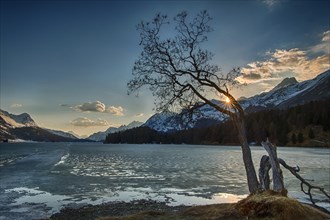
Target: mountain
{"x":17,"y":120}
{"x":287,"y":93}
{"x":100,"y":136}
{"x":23,"y":127}
{"x":164,"y":121}
{"x":311,"y":90}
{"x":286,"y":82}
{"x":310,"y":122}
{"x":292,"y":94}
{"x":77,"y":135}
{"x":62,"y":133}
{"x":170,"y":121}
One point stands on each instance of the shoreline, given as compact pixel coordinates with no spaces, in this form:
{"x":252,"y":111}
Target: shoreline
{"x":118,"y":209}
{"x":206,"y":144}
{"x":268,"y":205}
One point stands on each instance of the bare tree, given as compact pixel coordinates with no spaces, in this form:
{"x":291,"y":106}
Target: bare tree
{"x":180,"y":74}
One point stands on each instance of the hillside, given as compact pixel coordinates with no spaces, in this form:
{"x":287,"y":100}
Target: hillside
{"x":310,"y":121}
{"x":286,"y":94}
{"x":23,"y":127}
{"x":100,"y":136}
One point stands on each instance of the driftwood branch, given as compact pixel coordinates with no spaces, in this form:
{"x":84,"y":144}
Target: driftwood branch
{"x":278,"y":184}
{"x":272,"y":161}
{"x":294,"y":171}
{"x":264,"y":173}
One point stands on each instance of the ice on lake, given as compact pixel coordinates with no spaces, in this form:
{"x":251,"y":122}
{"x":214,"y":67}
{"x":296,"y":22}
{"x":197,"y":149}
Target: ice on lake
{"x":38,"y":179}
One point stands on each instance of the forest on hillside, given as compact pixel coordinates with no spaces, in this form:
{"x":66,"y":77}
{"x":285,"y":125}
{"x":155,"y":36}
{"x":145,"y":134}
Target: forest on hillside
{"x":304,"y":125}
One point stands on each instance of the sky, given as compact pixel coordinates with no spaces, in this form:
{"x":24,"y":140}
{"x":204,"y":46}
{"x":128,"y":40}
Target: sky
{"x":67,"y":63}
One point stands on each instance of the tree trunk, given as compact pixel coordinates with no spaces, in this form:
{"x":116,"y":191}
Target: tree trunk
{"x":252,"y":179}
{"x":264,"y":173}
{"x":278,"y":184}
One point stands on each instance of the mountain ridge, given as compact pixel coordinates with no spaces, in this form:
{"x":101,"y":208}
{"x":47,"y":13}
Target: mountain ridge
{"x":23,"y":127}
{"x":20,"y":120}
{"x":288,"y":93}
{"x":101,"y":135}
{"x":285,"y":82}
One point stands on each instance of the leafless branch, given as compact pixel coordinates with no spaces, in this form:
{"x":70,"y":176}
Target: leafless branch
{"x":177,"y":70}
{"x":304,"y":182}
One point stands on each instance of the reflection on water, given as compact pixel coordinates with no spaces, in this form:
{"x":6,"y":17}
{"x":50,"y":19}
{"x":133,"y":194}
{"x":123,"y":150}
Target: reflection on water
{"x":39,"y":179}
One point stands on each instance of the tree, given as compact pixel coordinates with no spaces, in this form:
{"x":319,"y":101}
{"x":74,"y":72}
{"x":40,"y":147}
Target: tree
{"x":300,"y":137}
{"x":311,"y":134}
{"x":294,"y":138}
{"x":181,"y":76}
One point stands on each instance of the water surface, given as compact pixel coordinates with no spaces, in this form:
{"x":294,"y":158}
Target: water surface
{"x":37,"y":179}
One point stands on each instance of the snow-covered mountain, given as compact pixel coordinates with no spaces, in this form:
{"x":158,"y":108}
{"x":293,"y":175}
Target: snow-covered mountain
{"x":21,"y":120}
{"x":61,"y":133}
{"x":170,"y":121}
{"x":100,"y":136}
{"x":285,"y":82}
{"x":292,"y":94}
{"x":77,"y":135}
{"x":286,"y":94}
{"x":164,"y":121}
{"x":23,"y":127}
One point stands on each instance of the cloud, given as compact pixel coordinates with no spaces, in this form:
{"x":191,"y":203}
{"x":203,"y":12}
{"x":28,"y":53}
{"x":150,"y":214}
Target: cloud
{"x":324,"y":45}
{"x":97,"y":107}
{"x":270,"y":3}
{"x":139,"y":115}
{"x":326,"y":36}
{"x":252,"y":76}
{"x":64,"y":105}
{"x":86,"y":122}
{"x":294,"y":62}
{"x":16,"y":105}
{"x":118,"y":111}
{"x":90,"y":107}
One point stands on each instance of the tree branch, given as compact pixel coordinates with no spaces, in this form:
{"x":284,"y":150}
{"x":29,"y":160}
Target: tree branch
{"x":294,"y":171}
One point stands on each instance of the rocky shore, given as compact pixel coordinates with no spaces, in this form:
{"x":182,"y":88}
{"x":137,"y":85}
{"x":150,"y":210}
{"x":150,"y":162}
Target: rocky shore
{"x":119,"y":209}
{"x":265,"y":206}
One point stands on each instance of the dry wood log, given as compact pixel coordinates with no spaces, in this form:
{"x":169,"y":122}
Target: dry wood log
{"x":278,"y":184}
{"x":264,"y":173}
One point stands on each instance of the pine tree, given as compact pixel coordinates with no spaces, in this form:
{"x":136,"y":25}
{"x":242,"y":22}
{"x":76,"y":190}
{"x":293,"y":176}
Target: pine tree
{"x":294,"y":138}
{"x":311,"y":134}
{"x":300,"y":137}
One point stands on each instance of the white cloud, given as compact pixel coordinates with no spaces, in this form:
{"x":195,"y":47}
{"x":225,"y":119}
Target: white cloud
{"x":118,"y":111}
{"x":98,"y":107}
{"x":294,"y":62}
{"x":324,"y":45}
{"x":326,"y":36}
{"x":139,"y":115}
{"x":16,"y":105}
{"x":86,"y":122}
{"x":270,"y":3}
{"x":90,"y":107}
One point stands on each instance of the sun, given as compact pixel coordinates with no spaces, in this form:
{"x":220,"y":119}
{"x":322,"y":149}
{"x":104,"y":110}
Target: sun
{"x":227,"y":100}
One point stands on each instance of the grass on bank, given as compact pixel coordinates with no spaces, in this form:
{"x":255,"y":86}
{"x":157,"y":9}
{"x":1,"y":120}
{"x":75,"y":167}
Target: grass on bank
{"x":268,"y":205}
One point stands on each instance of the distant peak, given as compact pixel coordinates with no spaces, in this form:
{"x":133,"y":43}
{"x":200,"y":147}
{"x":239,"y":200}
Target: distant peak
{"x":135,"y":124}
{"x":285,"y":82}
{"x":242,"y":98}
{"x":23,"y":119}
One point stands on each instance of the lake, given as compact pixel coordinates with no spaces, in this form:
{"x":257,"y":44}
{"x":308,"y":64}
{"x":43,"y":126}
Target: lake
{"x":38,"y":179}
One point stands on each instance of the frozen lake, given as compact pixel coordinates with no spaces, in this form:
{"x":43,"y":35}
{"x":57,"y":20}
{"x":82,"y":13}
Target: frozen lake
{"x":37,"y":179}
